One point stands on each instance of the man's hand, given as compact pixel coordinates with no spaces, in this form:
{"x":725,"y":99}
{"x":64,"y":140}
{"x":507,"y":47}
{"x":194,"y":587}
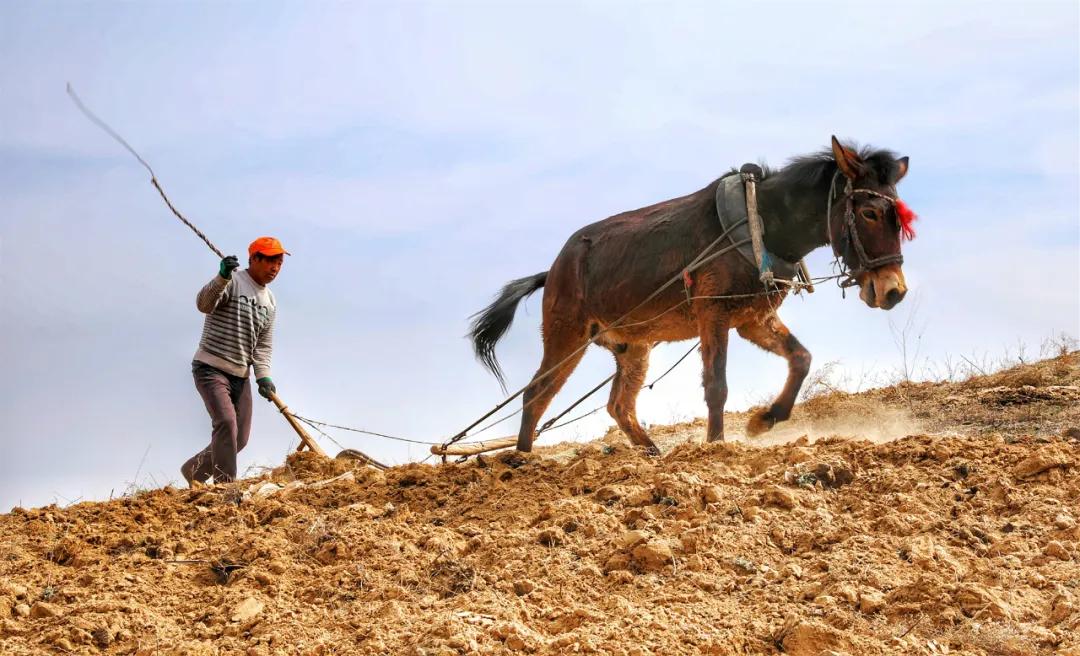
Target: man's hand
{"x":227,"y":265}
{"x":266,"y":387}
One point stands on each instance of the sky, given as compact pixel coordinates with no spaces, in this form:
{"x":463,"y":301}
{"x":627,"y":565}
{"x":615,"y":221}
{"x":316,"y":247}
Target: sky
{"x":413,"y":157}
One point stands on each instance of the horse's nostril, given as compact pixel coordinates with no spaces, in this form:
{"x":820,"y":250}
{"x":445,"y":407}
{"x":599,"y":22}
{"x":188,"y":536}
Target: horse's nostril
{"x":894,"y":296}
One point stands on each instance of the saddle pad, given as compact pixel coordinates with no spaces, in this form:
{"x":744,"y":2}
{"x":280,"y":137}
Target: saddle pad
{"x":731,"y":207}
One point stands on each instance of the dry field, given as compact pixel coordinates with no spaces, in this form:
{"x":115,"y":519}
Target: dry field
{"x":913,"y":519}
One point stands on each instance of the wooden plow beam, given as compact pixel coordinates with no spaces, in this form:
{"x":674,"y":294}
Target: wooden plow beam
{"x":474,"y":448}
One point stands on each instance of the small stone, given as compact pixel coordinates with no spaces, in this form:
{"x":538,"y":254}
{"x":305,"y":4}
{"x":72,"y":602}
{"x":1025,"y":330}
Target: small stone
{"x":617,"y":563}
{"x":833,"y":474}
{"x":1064,"y":521}
{"x":847,"y":592}
{"x":277,"y":567}
{"x":871,"y":601}
{"x":550,"y":537}
{"x":744,"y":565}
{"x":920,"y":550}
{"x":515,"y":642}
{"x":22,"y":610}
{"x":1039,"y":463}
{"x":64,"y":644}
{"x":639,"y":497}
{"x":263,"y":578}
{"x":1060,"y":609}
{"x":522,"y":588}
{"x":780,"y":497}
{"x":653,"y":555}
{"x":977,"y":599}
{"x":1055,"y":549}
{"x":247,"y":609}
{"x":43,"y":609}
{"x":261,"y":490}
{"x":792,"y":570}
{"x":711,"y":494}
{"x":631,"y":539}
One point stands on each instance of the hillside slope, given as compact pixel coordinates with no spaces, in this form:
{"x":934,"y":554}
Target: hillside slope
{"x":959,"y":539}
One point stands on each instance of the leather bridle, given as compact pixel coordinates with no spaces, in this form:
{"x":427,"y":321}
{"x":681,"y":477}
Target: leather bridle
{"x":849,"y":236}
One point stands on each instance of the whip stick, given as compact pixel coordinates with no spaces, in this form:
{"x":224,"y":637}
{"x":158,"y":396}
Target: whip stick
{"x":153,"y":178}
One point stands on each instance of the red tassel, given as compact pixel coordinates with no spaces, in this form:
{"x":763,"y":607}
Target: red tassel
{"x":906,"y":217}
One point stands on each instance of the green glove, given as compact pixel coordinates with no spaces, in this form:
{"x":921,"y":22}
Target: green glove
{"x":266,"y":387}
{"x":227,"y":265}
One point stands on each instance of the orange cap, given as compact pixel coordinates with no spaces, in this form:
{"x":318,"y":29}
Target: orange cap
{"x":267,"y":246}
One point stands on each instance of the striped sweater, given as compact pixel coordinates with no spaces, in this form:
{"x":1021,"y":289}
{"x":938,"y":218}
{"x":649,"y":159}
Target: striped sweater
{"x":239,"y":326}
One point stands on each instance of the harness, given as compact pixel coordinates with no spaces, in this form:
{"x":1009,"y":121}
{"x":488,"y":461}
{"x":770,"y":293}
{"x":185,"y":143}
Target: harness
{"x":736,"y":206}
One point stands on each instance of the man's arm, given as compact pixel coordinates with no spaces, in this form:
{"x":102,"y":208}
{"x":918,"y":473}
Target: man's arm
{"x":211,"y":295}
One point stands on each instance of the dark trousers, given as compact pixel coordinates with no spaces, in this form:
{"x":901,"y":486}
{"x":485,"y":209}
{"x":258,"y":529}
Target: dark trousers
{"x":228,"y":400}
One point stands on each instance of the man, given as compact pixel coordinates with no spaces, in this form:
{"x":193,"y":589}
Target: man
{"x":237,"y":334}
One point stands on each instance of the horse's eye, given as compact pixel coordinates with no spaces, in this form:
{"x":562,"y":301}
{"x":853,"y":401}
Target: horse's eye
{"x":869,"y":214}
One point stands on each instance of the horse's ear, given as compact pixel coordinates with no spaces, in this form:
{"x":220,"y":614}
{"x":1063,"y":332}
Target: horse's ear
{"x":847,"y":159}
{"x":901,"y":169}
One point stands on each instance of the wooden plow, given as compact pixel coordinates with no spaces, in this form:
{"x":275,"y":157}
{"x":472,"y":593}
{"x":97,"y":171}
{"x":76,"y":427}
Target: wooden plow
{"x":473,"y":448}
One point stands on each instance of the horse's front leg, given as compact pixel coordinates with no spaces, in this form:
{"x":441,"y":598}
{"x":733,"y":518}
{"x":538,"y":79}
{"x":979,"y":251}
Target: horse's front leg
{"x":772,"y":335}
{"x":714,"y":343}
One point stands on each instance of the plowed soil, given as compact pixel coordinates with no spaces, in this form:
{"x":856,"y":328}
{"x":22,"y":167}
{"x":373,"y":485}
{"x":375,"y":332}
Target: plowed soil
{"x":960,"y":536}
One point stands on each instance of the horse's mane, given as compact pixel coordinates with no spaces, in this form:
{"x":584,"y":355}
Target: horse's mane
{"x":819,"y":167}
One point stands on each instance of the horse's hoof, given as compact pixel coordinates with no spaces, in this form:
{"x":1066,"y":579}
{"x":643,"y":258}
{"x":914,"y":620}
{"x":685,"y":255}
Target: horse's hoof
{"x":652,"y":451}
{"x":760,"y":423}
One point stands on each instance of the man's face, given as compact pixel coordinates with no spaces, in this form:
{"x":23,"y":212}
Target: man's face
{"x":264,"y":269}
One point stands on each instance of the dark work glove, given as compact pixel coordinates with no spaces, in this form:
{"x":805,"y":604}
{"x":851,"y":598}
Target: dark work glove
{"x":266,"y":387}
{"x":227,"y":265}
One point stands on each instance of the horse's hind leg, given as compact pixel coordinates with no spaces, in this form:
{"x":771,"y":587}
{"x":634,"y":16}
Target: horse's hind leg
{"x":771,"y":334}
{"x":562,"y":352}
{"x":632,"y":363}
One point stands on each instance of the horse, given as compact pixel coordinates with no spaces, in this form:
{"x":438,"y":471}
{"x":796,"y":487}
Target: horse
{"x":597,"y":290}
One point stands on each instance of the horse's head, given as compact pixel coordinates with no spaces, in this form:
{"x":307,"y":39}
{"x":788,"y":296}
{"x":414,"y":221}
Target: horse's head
{"x":867,"y":221}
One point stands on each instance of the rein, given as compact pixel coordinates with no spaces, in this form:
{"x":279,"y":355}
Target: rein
{"x":850,"y":235}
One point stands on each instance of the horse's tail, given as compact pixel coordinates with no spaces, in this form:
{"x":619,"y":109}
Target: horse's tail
{"x":491,"y":323}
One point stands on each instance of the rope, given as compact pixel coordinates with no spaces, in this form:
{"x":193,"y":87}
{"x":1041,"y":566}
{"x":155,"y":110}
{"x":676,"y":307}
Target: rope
{"x":677,"y":363}
{"x":365,"y":457}
{"x":153,"y":178}
{"x":310,"y":422}
{"x":551,"y":425}
{"x":550,"y":422}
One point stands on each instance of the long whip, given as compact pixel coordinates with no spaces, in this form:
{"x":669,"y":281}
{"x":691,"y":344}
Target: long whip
{"x":153,"y":178}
